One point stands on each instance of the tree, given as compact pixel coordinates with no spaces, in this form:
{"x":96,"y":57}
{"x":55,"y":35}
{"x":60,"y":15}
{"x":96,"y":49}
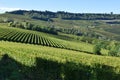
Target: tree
{"x":97,"y":49}
{"x":115,"y":51}
{"x":98,"y":46}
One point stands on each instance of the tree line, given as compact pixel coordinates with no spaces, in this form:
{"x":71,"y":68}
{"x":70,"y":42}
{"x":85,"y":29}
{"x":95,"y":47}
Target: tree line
{"x":47,"y":15}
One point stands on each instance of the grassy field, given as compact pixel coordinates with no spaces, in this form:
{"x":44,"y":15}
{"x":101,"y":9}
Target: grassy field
{"x":59,"y":63}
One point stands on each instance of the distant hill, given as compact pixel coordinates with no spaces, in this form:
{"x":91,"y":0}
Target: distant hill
{"x":45,"y":15}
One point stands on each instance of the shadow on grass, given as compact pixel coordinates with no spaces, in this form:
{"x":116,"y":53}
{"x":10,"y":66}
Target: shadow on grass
{"x":10,"y":69}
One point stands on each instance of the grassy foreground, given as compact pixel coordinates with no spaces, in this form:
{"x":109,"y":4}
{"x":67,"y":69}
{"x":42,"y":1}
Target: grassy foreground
{"x":32,"y":62}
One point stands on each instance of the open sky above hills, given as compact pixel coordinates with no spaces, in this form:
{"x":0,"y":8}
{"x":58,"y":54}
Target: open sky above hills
{"x":78,"y":6}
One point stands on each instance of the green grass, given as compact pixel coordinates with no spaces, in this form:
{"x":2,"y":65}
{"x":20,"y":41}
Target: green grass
{"x":71,"y":62}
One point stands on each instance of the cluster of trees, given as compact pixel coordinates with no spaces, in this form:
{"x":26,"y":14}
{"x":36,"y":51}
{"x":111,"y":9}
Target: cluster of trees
{"x":73,"y":31}
{"x":5,"y":20}
{"x":114,"y":22}
{"x":112,"y":46}
{"x":30,"y":26}
{"x":47,"y":15}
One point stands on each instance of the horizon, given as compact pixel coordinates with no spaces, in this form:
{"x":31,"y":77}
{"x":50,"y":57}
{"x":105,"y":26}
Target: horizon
{"x":60,"y":11}
{"x":76,"y":6}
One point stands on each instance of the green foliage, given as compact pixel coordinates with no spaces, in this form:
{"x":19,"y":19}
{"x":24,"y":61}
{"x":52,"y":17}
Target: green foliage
{"x":29,"y":26}
{"x":114,"y":49}
{"x":29,"y":62}
{"x":97,"y":49}
{"x":98,"y":46}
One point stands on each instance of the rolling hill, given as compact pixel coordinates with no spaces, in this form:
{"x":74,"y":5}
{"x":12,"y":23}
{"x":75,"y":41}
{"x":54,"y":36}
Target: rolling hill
{"x":106,"y":29}
{"x":39,"y":38}
{"x":36,"y":45}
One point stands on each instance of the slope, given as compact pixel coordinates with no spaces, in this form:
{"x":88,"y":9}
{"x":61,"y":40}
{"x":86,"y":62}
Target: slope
{"x":39,"y":38}
{"x":33,"y":62}
{"x":89,"y":28}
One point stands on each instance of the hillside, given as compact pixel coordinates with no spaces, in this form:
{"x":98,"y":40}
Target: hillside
{"x":39,"y":38}
{"x":44,"y":45}
{"x":105,"y":29}
{"x":79,"y":35}
{"x":33,"y":62}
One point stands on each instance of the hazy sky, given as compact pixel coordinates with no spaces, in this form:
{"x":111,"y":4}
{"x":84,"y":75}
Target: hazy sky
{"x":79,"y":6}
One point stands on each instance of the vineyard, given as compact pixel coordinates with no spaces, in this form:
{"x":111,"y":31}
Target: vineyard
{"x":39,"y":38}
{"x":27,"y":54}
{"x":27,"y":37}
{"x":34,"y":62}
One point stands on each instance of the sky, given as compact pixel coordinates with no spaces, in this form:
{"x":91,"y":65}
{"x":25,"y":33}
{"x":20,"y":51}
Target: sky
{"x":75,"y":6}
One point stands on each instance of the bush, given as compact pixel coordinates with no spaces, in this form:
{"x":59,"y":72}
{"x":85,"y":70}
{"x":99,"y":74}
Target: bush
{"x":97,"y":49}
